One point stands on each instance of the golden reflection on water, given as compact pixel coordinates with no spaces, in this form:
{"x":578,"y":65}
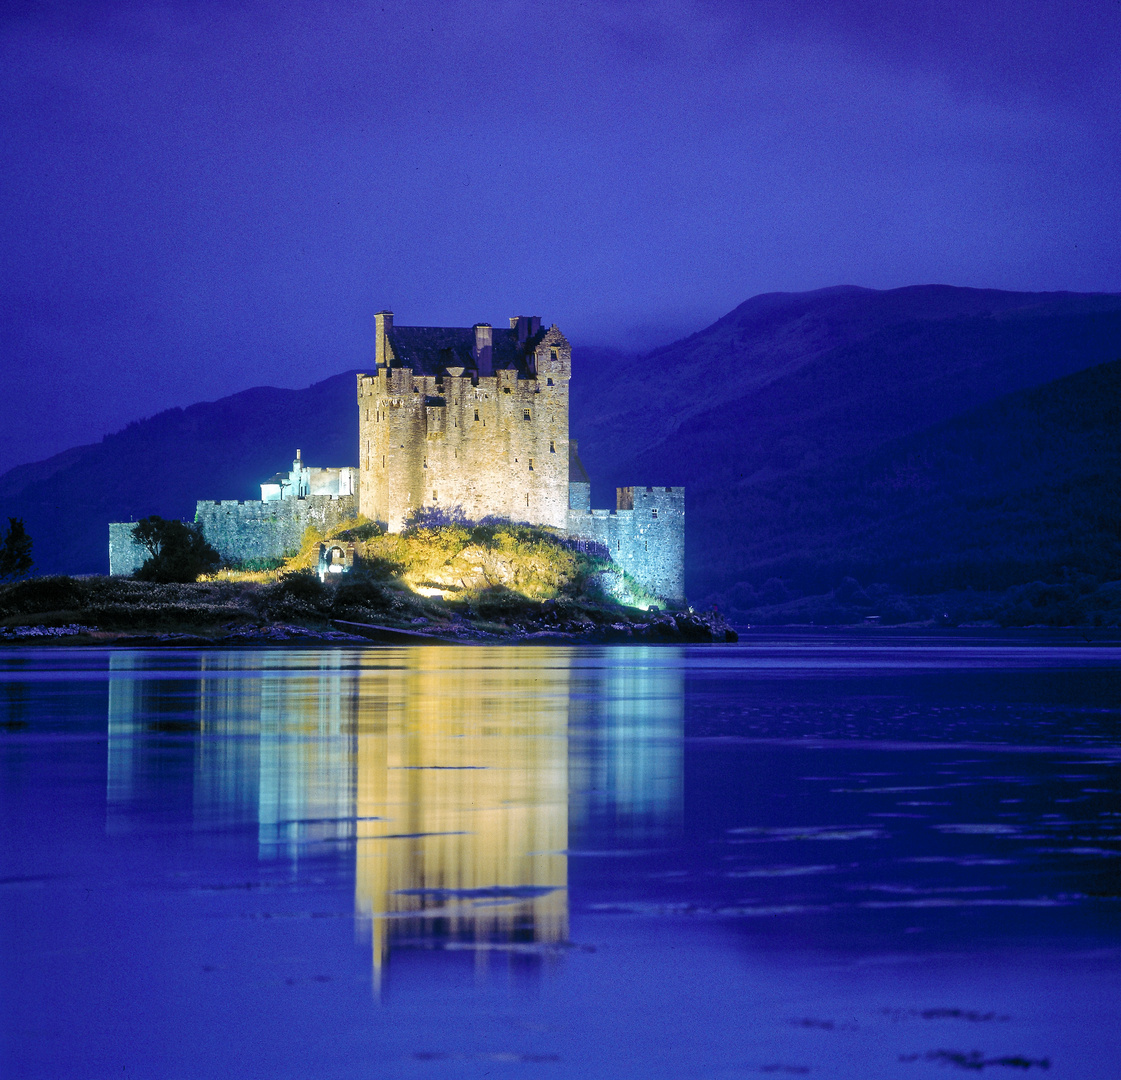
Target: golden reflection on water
{"x":454,"y":775}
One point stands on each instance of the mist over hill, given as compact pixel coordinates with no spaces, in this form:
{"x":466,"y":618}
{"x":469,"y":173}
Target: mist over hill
{"x":772,"y":418}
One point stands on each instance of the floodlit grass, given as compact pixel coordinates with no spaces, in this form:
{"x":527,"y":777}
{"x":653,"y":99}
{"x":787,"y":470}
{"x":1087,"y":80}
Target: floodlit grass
{"x":456,"y":560}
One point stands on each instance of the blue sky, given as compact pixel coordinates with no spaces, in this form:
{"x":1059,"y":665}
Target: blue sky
{"x":202,"y":197}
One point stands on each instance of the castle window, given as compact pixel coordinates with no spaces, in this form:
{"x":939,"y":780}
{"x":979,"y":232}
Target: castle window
{"x":506,"y":389}
{"x":548,"y":382}
{"x":525,"y":414}
{"x":654,"y":513}
{"x":527,"y":498}
{"x":426,"y":463}
{"x":476,"y":414}
{"x":552,"y":447}
{"x":433,"y":496}
{"x":531,"y":464}
{"x":645,"y":543}
{"x":553,"y":354}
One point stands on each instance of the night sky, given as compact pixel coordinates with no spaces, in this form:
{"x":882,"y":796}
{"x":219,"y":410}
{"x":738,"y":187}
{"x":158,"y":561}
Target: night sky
{"x":203,"y":197}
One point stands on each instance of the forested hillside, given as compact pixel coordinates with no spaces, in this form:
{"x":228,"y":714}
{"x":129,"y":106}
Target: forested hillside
{"x":786,"y":387}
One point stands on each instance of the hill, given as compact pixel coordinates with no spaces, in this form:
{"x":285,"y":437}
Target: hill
{"x":791,"y":384}
{"x":1021,"y":489}
{"x":164,"y":464}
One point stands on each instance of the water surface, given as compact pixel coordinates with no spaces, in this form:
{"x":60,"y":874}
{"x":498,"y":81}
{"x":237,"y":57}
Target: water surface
{"x":850,"y":857}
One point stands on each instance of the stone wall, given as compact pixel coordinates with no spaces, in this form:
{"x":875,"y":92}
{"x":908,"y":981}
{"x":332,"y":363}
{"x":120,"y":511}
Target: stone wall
{"x":241,"y":531}
{"x":126,"y":556}
{"x":491,"y":445}
{"x":645,"y":535}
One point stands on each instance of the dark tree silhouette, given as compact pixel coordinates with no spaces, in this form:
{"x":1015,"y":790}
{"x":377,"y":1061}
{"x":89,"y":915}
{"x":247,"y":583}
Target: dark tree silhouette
{"x":177,"y":551}
{"x":15,"y":551}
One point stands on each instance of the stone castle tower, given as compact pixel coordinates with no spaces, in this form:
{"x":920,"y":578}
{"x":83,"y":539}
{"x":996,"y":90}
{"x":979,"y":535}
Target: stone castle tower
{"x":469,"y":418}
{"x":475,"y":420}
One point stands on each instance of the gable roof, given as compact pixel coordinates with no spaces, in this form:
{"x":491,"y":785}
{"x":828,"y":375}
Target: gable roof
{"x":428,"y":350}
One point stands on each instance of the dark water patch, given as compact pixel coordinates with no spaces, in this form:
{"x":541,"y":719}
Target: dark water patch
{"x":822,"y":1025}
{"x":975,"y":1061}
{"x":409,"y":768}
{"x":29,"y":879}
{"x":750,"y":833}
{"x":972,"y":1015}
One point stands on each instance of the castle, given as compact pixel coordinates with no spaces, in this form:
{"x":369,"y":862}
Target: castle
{"x":470,"y":421}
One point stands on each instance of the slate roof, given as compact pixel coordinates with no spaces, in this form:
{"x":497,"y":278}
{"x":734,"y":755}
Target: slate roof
{"x":428,"y":350}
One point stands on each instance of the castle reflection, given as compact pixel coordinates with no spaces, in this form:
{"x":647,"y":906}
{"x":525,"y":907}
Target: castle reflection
{"x":455,"y":778}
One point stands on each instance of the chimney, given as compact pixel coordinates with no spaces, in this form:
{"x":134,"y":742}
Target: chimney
{"x":484,"y":356}
{"x":384,"y":323}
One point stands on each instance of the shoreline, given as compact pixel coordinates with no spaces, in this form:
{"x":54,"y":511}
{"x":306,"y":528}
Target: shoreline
{"x":292,"y":635}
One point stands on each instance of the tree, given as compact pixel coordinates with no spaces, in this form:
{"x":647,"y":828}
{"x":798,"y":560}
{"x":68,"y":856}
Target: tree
{"x":177,"y":551}
{"x":15,"y":551}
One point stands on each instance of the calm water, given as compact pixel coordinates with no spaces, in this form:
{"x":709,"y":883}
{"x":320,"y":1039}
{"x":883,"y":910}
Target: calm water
{"x":805,"y":856}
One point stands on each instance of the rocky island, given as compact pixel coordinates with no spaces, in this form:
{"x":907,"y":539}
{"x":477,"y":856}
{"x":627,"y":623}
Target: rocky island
{"x":437,"y":581}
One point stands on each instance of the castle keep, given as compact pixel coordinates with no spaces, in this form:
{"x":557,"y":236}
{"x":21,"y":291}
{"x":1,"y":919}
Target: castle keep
{"x":471,"y":421}
{"x":473,"y":418}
